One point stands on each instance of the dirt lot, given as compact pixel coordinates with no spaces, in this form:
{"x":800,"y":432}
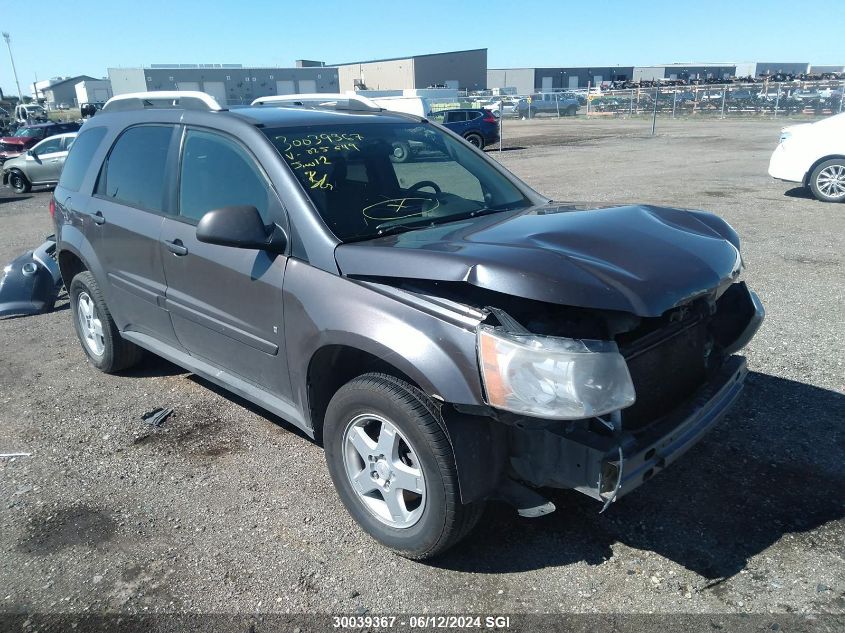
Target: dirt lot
{"x":226,"y":509}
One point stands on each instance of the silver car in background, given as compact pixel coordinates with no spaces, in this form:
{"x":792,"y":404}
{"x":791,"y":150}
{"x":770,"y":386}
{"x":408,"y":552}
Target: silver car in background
{"x":40,"y":165}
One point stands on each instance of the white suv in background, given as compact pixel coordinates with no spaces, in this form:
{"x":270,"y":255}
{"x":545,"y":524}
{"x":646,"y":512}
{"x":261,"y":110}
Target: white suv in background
{"x":814,"y":155}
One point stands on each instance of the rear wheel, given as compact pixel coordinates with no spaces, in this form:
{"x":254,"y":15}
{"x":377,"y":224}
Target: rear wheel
{"x":97,"y":332}
{"x":827,"y":181}
{"x":571,"y":110}
{"x":393,"y":467}
{"x":475,"y":139}
{"x":19,"y":182}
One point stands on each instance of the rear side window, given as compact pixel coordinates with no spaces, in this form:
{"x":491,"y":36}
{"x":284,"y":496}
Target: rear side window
{"x":80,"y":158}
{"x":472,"y":116}
{"x":217,"y":172}
{"x":134,"y":171}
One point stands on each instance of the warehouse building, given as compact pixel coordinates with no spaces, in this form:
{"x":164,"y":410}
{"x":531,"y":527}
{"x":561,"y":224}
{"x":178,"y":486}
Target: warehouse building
{"x":685,"y":72}
{"x":528,"y":80}
{"x":58,"y":91}
{"x":767,"y":69}
{"x":93,"y":91}
{"x":463,"y":70}
{"x":817,"y":70}
{"x":229,"y":84}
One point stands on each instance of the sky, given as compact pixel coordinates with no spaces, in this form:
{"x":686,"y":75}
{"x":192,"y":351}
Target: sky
{"x":66,"y":39}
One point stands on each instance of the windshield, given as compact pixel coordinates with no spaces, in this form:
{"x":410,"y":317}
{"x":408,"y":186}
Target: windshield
{"x":376,"y":178}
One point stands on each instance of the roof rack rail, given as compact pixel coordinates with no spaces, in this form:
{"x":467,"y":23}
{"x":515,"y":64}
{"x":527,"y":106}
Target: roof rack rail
{"x":333,"y":100}
{"x":184,"y":99}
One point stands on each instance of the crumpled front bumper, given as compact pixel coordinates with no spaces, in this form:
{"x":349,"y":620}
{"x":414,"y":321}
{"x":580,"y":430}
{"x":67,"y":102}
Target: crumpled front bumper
{"x":31,"y":282}
{"x":676,"y":435}
{"x":609,"y":464}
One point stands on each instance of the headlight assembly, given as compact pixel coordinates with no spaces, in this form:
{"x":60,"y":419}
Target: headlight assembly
{"x":552,"y":377}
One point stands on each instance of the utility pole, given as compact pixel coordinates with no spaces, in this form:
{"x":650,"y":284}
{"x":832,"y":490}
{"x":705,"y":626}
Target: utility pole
{"x":14,"y":70}
{"x":654,"y":110}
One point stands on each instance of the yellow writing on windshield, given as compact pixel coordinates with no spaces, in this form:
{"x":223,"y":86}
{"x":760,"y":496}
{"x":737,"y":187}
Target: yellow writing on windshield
{"x":310,"y":154}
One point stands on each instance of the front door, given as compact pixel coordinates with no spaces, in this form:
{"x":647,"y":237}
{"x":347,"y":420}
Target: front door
{"x":225,"y":303}
{"x":44,"y":161}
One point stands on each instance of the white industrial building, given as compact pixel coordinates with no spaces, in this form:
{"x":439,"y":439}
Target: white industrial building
{"x":93,"y":91}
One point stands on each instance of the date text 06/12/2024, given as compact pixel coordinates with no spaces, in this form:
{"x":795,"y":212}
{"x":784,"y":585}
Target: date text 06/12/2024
{"x":421,"y":622}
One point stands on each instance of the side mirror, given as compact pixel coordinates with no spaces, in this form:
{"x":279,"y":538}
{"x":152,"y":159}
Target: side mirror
{"x":32,"y":152}
{"x":240,"y":226}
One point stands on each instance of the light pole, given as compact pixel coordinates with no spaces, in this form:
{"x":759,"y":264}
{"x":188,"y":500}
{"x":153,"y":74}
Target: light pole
{"x":14,"y":70}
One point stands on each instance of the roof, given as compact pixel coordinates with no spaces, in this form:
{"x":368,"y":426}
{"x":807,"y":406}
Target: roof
{"x":76,"y":79}
{"x":394,"y":59}
{"x":297,"y":116}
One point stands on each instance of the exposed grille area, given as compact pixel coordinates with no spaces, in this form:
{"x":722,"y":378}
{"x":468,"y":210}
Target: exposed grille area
{"x":666,"y":368}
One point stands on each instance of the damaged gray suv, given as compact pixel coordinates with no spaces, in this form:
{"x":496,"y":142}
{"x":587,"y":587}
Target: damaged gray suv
{"x":450,"y":335}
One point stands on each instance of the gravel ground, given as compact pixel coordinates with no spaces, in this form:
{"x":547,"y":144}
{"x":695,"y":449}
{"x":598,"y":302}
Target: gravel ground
{"x":228,"y":509}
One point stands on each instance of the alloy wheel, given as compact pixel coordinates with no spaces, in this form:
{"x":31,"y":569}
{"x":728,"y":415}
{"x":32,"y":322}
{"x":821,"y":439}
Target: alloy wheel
{"x":90,"y":324}
{"x":384,"y":470}
{"x":831,"y":181}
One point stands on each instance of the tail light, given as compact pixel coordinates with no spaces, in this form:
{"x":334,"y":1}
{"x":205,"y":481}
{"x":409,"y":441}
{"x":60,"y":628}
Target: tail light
{"x":488,"y":117}
{"x":52,"y":207}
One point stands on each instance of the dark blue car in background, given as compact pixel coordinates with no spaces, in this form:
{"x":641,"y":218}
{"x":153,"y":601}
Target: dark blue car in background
{"x":476,"y":125}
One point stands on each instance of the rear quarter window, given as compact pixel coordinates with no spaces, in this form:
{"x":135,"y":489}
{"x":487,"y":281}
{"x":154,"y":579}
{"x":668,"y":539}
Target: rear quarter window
{"x":79,"y":158}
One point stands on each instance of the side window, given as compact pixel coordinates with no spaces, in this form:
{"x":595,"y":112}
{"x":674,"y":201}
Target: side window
{"x":49,"y":146}
{"x":79,"y":159}
{"x":134,"y":171}
{"x":68,"y":142}
{"x":217,"y":172}
{"x":473,"y":116}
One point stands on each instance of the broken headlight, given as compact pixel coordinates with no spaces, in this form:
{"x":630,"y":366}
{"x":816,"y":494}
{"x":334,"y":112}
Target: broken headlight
{"x":552,"y":377}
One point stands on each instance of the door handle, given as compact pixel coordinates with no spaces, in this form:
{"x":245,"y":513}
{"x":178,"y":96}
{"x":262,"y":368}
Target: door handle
{"x":98,"y":218}
{"x":176,"y":247}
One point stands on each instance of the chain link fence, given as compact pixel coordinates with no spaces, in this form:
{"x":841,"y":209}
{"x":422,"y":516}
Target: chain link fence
{"x":811,"y":98}
{"x":822,"y":98}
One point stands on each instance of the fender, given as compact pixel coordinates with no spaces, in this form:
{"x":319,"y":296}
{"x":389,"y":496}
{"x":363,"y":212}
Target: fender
{"x":435,"y":347}
{"x":71,"y":239}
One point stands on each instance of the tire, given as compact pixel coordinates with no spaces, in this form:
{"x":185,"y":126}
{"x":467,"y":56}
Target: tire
{"x":401,"y":152}
{"x":827,"y":181}
{"x":365,"y":404}
{"x":18,"y":182}
{"x":102,"y":343}
{"x":475,"y":139}
{"x":571,"y":111}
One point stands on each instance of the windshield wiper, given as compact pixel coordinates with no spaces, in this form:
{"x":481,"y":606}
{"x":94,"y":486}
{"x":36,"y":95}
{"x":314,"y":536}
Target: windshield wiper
{"x":386,"y":228}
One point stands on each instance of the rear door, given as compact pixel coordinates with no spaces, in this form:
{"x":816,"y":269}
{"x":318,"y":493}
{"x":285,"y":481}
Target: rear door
{"x":225,"y":303}
{"x":127,"y":209}
{"x":456,"y":121}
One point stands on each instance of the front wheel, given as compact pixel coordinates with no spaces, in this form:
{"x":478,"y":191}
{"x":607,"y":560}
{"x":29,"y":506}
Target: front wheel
{"x":18,"y":182}
{"x":827,"y":181}
{"x":393,"y":467}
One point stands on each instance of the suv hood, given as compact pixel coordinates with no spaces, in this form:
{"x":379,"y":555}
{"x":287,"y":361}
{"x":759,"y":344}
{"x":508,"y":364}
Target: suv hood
{"x":638,"y":259}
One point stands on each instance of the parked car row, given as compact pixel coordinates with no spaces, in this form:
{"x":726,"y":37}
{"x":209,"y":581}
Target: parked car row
{"x":28,"y":135}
